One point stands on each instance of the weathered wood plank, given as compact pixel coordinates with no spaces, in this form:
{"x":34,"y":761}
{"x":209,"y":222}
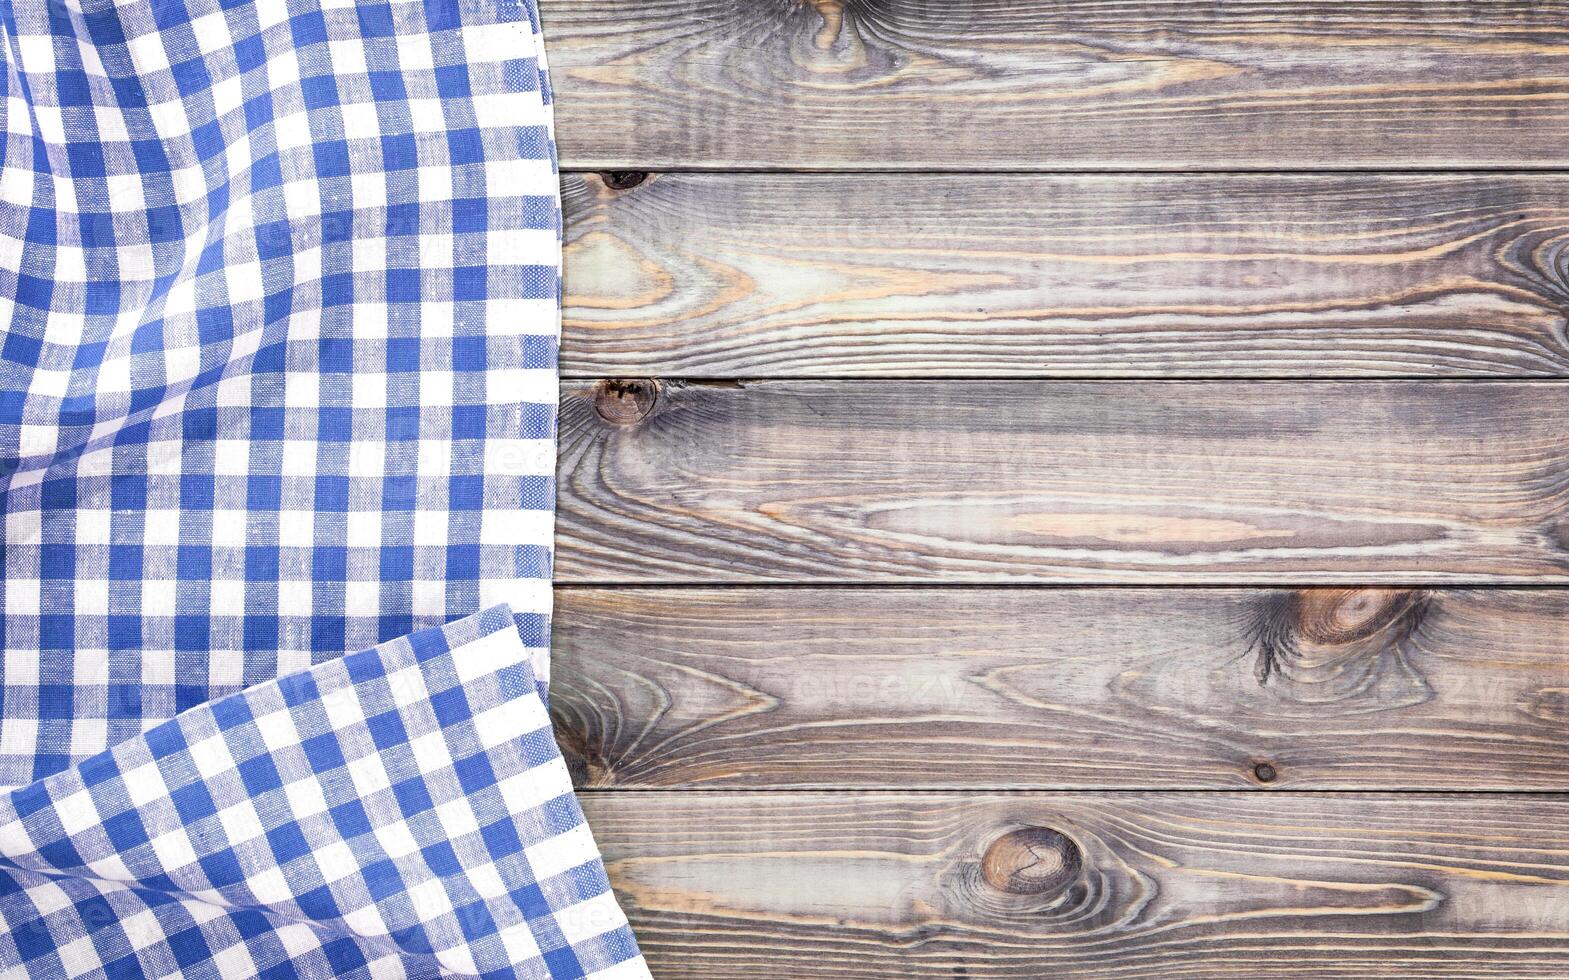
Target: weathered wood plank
{"x":769,"y":275}
{"x":783,"y":885}
{"x":1135,"y":482}
{"x":1064,"y":688}
{"x":1043,"y":84}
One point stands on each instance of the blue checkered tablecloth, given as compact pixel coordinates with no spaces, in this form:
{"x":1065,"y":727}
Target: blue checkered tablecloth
{"x":279,"y":286}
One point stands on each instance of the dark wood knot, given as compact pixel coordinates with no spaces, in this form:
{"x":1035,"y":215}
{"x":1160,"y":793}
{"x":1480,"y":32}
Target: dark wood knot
{"x":623,"y":180}
{"x":1032,"y":861}
{"x":1264,"y":772}
{"x":1340,"y":647}
{"x":625,"y":402}
{"x":1559,"y":531}
{"x":1339,"y":616}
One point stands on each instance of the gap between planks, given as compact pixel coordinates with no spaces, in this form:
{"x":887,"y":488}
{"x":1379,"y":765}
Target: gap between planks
{"x":1046,"y":379}
{"x":1043,"y":171}
{"x":1552,"y":795}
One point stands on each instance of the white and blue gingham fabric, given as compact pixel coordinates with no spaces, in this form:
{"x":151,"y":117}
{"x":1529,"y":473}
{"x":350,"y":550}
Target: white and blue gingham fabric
{"x":401,"y":812}
{"x":279,"y":289}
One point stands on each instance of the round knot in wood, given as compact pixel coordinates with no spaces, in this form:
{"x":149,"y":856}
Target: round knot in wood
{"x":623,"y":180}
{"x":624,"y":402}
{"x":1032,"y":861}
{"x":1338,"y":616}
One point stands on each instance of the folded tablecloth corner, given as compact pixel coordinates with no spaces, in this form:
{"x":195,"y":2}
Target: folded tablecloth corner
{"x":401,"y":811}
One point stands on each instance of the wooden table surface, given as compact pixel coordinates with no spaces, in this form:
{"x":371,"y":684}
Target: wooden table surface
{"x":1069,"y":487}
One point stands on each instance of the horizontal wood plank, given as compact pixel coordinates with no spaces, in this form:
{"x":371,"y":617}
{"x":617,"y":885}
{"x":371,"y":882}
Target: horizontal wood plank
{"x":1047,"y":84}
{"x":1005,"y":481}
{"x":1452,"y":689}
{"x":786,"y":886}
{"x":770,"y":275}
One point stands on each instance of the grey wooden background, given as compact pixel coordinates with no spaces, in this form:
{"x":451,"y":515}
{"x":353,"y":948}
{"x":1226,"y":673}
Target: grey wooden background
{"x":1069,"y":487}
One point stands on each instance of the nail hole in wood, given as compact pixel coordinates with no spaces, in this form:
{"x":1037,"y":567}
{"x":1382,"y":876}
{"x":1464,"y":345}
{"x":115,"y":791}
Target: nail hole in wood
{"x":1032,"y":861}
{"x":623,"y":180}
{"x":625,"y":402}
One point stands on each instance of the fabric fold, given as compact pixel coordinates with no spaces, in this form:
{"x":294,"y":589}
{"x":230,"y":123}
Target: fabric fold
{"x":403,"y":811}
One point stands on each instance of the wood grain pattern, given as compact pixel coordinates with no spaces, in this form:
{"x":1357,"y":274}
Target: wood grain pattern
{"x":1389,"y":496}
{"x":767,"y":275}
{"x":1136,"y":482}
{"x":1064,"y":689}
{"x":1048,"y":84}
{"x":787,"y":886}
